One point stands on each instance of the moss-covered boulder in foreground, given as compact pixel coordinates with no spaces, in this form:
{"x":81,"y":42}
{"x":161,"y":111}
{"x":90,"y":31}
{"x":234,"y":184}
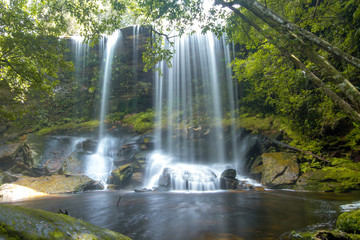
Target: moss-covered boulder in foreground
{"x":349,"y":222}
{"x":22,"y":223}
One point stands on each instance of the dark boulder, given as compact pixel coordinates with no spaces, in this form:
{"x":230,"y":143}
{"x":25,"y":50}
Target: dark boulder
{"x":228,"y":179}
{"x":229,"y":173}
{"x":165,"y":180}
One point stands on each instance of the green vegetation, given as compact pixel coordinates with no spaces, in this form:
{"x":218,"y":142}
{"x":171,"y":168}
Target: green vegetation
{"x":68,"y":127}
{"x":141,"y":122}
{"x":24,"y":223}
{"x":349,"y":222}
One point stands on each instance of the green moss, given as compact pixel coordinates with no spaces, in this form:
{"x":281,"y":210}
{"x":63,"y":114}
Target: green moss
{"x":344,"y":177}
{"x":23,"y":223}
{"x":256,"y":124}
{"x":70,"y":126}
{"x":302,"y":235}
{"x":349,"y":222}
{"x":122,"y":174}
{"x":141,"y":122}
{"x":346,"y":174}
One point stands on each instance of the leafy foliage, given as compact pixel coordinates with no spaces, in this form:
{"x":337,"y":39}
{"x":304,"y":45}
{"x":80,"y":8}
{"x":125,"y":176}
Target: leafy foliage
{"x":141,"y":122}
{"x":31,"y":53}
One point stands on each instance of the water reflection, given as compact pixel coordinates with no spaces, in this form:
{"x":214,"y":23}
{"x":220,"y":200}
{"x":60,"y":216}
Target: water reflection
{"x":215,"y":215}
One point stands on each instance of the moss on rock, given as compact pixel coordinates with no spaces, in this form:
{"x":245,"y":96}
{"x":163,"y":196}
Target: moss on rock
{"x":279,"y":169}
{"x":23,"y":223}
{"x":349,"y":222}
{"x":342,"y":178}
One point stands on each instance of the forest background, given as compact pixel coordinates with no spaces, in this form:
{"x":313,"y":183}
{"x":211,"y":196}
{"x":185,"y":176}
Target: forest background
{"x":296,"y":65}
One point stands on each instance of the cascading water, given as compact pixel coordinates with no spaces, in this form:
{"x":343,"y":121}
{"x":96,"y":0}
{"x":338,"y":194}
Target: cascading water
{"x":100,"y":164}
{"x":80,"y":51}
{"x":191,"y":100}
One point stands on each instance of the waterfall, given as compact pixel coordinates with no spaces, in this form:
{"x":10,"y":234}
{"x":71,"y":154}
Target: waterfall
{"x":100,"y":164}
{"x":191,"y":100}
{"x":80,"y":52}
{"x":109,"y":55}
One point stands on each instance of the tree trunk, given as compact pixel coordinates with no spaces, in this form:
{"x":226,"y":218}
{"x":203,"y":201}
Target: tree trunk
{"x":337,"y":78}
{"x":282,"y":25}
{"x":353,"y":114}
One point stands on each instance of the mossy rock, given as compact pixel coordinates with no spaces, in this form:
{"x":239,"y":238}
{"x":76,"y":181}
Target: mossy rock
{"x":323,"y":234}
{"x":341,"y":178}
{"x":23,"y":223}
{"x":129,"y":175}
{"x":122,"y":175}
{"x":349,"y":222}
{"x":279,"y":169}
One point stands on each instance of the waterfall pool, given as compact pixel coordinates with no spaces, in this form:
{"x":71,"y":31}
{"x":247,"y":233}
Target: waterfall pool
{"x":201,"y":215}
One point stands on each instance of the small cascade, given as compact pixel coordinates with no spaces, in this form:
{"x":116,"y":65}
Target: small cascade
{"x":100,"y":164}
{"x":191,"y":100}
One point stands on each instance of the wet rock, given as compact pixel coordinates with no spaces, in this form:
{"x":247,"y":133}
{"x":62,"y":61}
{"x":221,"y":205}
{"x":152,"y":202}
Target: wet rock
{"x":127,"y":153}
{"x":279,"y":169}
{"x":142,"y":190}
{"x":228,"y":179}
{"x":72,"y":165}
{"x":331,"y":235}
{"x":6,"y":177}
{"x":165,"y":180}
{"x":256,"y":169}
{"x":89,"y":146}
{"x":60,"y":183}
{"x":244,"y":185}
{"x":257,"y":188}
{"x":229,"y":173}
{"x":23,"y":223}
{"x":11,"y":154}
{"x":121,"y":176}
{"x":137,"y":178}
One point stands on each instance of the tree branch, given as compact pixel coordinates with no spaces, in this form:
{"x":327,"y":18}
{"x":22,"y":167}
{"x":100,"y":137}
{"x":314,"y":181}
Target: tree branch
{"x":281,"y":24}
{"x":317,"y":3}
{"x":353,"y":114}
{"x":296,"y":149}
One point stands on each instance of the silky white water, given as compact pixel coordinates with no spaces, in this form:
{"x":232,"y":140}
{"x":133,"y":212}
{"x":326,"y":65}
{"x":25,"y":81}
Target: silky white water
{"x":100,"y":164}
{"x":191,"y":99}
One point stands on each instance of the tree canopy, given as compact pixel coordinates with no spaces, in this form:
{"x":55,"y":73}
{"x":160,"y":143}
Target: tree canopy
{"x":32,"y":47}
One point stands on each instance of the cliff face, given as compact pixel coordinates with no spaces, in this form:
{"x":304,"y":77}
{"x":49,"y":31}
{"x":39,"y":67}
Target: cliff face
{"x":130,"y":86}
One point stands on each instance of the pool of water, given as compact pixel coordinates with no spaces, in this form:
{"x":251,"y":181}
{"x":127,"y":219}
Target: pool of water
{"x":201,"y":215}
